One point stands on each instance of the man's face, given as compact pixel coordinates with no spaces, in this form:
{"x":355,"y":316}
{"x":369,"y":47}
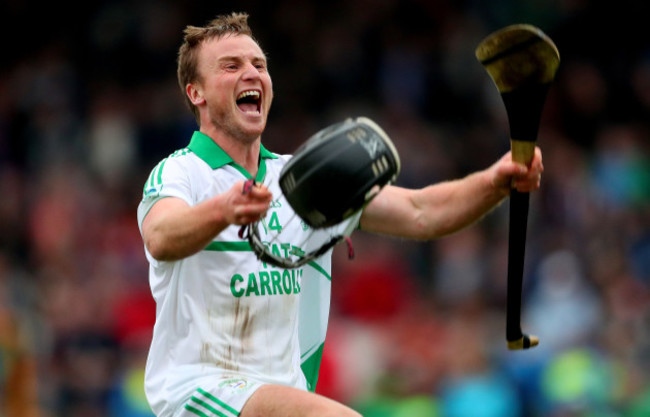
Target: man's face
{"x":236,"y":86}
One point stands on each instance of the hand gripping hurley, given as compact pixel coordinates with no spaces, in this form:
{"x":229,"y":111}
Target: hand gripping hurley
{"x":522,"y":61}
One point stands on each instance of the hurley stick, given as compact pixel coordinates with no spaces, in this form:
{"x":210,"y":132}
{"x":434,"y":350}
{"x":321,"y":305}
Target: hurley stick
{"x":522,"y":61}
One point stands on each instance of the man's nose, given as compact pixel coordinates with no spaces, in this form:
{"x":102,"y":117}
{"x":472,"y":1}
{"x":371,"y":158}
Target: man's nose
{"x":251,"y":72}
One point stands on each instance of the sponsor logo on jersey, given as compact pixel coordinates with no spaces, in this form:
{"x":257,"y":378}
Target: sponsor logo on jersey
{"x":265,"y":283}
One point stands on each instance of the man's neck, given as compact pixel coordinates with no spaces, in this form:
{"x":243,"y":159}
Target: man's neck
{"x":246,"y":154}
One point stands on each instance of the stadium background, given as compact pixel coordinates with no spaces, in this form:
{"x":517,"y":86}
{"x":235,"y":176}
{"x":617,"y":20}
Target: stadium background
{"x":89,"y":103}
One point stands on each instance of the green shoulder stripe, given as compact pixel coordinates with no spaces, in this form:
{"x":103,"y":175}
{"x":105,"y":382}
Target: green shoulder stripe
{"x":156,"y":173}
{"x":155,"y":178}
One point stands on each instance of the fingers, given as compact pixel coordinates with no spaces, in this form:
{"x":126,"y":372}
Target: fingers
{"x":251,"y":203}
{"x":507,"y":174}
{"x":529,"y":179}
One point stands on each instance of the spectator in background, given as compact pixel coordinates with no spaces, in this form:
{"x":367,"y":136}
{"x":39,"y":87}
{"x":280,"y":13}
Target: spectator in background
{"x":18,"y":372}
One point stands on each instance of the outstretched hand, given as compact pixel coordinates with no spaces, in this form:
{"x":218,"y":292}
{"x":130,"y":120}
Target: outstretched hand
{"x":507,"y":174}
{"x":244,"y":204}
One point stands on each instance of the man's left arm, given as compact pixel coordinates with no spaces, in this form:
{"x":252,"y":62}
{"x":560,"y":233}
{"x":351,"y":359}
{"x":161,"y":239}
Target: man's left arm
{"x":447,"y":207}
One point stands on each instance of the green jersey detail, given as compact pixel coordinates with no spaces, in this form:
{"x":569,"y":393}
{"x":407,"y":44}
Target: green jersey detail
{"x":154,"y":184}
{"x":242,"y":246}
{"x":311,"y":366}
{"x":276,"y":249}
{"x":319,"y":269}
{"x":213,"y":155}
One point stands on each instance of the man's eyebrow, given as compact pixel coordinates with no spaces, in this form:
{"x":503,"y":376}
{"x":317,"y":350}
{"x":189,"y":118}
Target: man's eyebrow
{"x":255,"y":58}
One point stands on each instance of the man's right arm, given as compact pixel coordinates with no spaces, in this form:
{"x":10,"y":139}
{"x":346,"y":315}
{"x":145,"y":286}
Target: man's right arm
{"x":172,"y":229}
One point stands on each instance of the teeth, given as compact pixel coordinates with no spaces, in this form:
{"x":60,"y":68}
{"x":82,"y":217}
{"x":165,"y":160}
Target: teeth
{"x":252,"y":93}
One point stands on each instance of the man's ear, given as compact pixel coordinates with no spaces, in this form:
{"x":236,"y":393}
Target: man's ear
{"x":195,"y":93}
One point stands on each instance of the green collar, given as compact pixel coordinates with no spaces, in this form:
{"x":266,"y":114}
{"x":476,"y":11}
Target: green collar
{"x":206,"y":149}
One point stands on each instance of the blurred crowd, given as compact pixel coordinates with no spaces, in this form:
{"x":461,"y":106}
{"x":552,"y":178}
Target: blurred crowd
{"x":89,"y":103}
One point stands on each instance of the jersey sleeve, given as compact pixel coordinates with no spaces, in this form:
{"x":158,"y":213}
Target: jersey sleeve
{"x":168,"y":179}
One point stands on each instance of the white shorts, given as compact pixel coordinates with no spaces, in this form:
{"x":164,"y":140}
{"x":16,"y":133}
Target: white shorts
{"x":217,"y":397}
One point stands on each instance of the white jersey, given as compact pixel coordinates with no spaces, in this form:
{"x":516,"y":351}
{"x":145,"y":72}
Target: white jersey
{"x":221,"y":312}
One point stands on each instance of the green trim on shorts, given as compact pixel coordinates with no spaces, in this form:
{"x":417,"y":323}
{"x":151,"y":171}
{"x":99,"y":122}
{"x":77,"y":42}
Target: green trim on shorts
{"x":211,"y":403}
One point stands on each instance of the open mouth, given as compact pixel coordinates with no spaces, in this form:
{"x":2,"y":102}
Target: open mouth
{"x":249,"y":101}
